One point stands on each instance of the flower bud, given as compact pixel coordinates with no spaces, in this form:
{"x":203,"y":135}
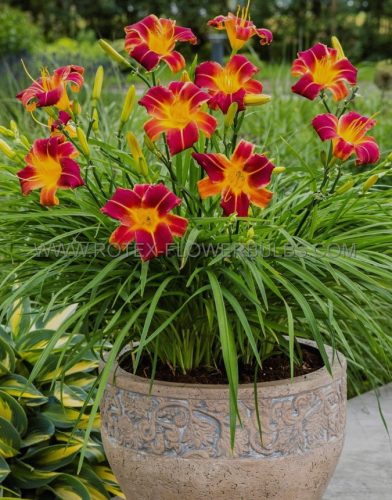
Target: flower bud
{"x":278,"y":170}
{"x":230,"y":115}
{"x":14,"y":127}
{"x":250,"y":233}
{"x":76,"y":108}
{"x":369,"y":183}
{"x":345,"y":187}
{"x":256,"y":99}
{"x":134,"y":146}
{"x":113,"y":53}
{"x":97,"y":88}
{"x":389,"y":157}
{"x":337,"y":45}
{"x":23,"y":140}
{"x":83,"y":142}
{"x":5,"y":149}
{"x":95,"y":118}
{"x":6,"y":132}
{"x":128,"y":105}
{"x":143,"y":166}
{"x":185,"y":76}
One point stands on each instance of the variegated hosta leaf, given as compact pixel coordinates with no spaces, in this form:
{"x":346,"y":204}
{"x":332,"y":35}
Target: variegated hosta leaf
{"x":109,"y":480}
{"x":7,"y":358}
{"x":70,"y":487}
{"x":66,"y":418}
{"x":93,"y":483}
{"x":94,"y":449}
{"x":40,"y":429}
{"x":20,"y":317}
{"x":71,"y":397}
{"x":30,"y":346}
{"x":4,"y":470}
{"x":9,"y":439}
{"x":53,"y":457}
{"x":25,"y":476}
{"x":53,"y":370}
{"x":18,"y":386}
{"x":54,"y":320}
{"x":82,"y":380}
{"x":13,"y":412}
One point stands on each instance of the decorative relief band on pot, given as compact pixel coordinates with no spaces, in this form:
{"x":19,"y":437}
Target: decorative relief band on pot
{"x":292,"y":424}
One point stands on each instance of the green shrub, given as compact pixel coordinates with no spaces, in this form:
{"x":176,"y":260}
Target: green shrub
{"x":41,"y":427}
{"x":18,"y":33}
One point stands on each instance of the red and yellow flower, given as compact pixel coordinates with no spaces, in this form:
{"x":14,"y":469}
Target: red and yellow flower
{"x":51,"y":90}
{"x":176,"y":111}
{"x":50,"y":166}
{"x":229,"y":84}
{"x":348,"y":135}
{"x":240,"y":179}
{"x":63,"y":122}
{"x":323,"y":68}
{"x":151,"y":40}
{"x":240,"y":28}
{"x":144,"y":214}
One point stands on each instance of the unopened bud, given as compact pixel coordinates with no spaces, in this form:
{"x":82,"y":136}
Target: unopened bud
{"x":278,"y":170}
{"x":134,"y":146}
{"x":83,"y":142}
{"x":230,"y":115}
{"x":5,"y":149}
{"x":185,"y":76}
{"x":23,"y":140}
{"x":14,"y":127}
{"x":345,"y":187}
{"x":143,"y":166}
{"x":337,"y":45}
{"x":369,"y":183}
{"x":250,"y":233}
{"x":389,"y":157}
{"x":6,"y":132}
{"x":76,"y":108}
{"x":116,"y":56}
{"x":128,"y":105}
{"x":256,"y":99}
{"x":97,"y":88}
{"x":95,"y":118}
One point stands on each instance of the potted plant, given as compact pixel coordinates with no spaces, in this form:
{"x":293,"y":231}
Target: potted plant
{"x":223,"y":280}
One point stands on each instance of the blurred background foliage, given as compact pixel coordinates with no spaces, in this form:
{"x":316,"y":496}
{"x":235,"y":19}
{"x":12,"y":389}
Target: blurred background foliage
{"x":364,"y":26}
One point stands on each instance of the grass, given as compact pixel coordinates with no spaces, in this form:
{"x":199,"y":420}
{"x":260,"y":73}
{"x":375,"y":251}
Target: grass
{"x":341,"y":299}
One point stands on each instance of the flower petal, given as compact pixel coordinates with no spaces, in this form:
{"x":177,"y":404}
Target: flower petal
{"x":48,"y":196}
{"x":326,"y":126}
{"x":342,"y":149}
{"x":122,"y":237}
{"x":265,"y":35}
{"x":242,"y":152}
{"x":175,"y":61}
{"x":306,"y":87}
{"x":259,"y":168}
{"x":120,"y":203}
{"x":235,"y":203}
{"x":156,"y":99}
{"x":208,"y":188}
{"x":260,"y":197}
{"x":177,"y":225}
{"x":206,"y":73}
{"x":213,"y":163}
{"x":206,"y":123}
{"x":367,"y":151}
{"x":145,"y":56}
{"x":184,"y":35}
{"x":70,"y":174}
{"x":180,"y":139}
{"x":160,"y":197}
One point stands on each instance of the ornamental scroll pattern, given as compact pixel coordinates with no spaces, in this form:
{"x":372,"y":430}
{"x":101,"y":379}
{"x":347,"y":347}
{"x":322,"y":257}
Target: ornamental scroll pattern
{"x":200,"y":428}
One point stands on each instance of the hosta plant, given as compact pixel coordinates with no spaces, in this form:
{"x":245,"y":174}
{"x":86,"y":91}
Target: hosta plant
{"x":43,"y":423}
{"x":185,"y":240}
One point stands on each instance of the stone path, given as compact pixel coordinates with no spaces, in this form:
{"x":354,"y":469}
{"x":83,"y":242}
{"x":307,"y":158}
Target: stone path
{"x":365,"y":468}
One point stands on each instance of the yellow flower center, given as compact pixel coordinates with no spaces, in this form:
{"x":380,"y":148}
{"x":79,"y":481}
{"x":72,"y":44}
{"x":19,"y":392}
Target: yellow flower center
{"x":178,"y":114}
{"x":161,"y":41}
{"x":353,"y":133}
{"x":145,"y":218}
{"x":227,"y":81}
{"x":324,"y":72}
{"x":236,"y":179}
{"x":48,"y":171}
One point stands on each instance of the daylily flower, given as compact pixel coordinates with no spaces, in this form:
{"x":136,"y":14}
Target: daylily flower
{"x":323,"y":68}
{"x":229,"y":84}
{"x":50,"y":166}
{"x":176,"y":111}
{"x":62,"y":123}
{"x":151,"y":40}
{"x":51,"y":90}
{"x":240,"y":179}
{"x":144,"y":216}
{"x":348,"y":135}
{"x":240,"y":28}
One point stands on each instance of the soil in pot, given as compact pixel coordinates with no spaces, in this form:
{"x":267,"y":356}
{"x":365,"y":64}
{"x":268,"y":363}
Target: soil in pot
{"x":277,"y":367}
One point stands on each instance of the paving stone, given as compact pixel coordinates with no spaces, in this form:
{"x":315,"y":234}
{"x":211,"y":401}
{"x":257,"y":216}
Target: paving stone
{"x":364,"y":471}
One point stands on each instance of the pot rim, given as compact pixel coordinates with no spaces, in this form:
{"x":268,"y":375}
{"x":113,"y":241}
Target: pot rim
{"x":318,"y":378}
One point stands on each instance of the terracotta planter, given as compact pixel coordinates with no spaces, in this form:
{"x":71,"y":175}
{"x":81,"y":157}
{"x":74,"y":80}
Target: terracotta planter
{"x":175,"y":444}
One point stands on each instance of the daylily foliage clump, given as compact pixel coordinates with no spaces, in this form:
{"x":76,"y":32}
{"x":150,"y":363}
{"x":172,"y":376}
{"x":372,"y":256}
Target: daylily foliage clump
{"x":190,"y":202}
